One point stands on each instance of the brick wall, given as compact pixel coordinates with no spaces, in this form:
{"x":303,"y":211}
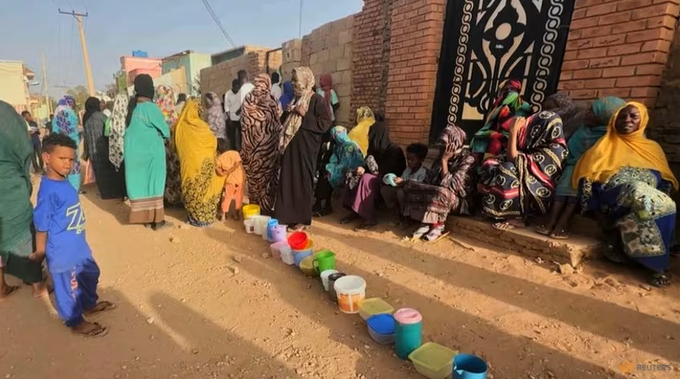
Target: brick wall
{"x":665,"y":124}
{"x":416,"y":37}
{"x":619,"y":48}
{"x":371,"y":48}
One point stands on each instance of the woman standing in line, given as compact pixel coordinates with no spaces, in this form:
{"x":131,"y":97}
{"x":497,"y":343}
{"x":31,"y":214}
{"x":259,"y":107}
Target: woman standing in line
{"x":261,"y":137}
{"x":66,"y":122}
{"x":165,"y":99}
{"x":118,"y":125}
{"x":306,"y":122}
{"x":144,"y":156}
{"x":111,"y":184}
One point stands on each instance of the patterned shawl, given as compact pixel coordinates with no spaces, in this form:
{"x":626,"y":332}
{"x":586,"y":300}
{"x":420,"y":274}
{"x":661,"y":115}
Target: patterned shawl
{"x":298,"y":109}
{"x":66,"y":122}
{"x":508,"y":104}
{"x":215,"y":115}
{"x":570,"y":113}
{"x":346,"y":157}
{"x":165,"y":100}
{"x":116,"y":139}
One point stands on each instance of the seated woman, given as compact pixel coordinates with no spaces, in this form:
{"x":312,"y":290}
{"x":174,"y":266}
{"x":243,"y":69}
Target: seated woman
{"x":197,"y":150}
{"x":594,"y":127}
{"x":447,"y":188}
{"x":345,"y":157}
{"x":491,"y":140}
{"x":520,"y":183}
{"x":625,"y":179}
{"x":363,"y":188}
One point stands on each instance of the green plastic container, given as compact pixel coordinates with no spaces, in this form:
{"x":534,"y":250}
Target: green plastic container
{"x":433,"y":360}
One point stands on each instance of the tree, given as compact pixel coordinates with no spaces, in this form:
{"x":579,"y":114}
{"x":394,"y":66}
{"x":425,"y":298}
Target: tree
{"x":80,"y":93}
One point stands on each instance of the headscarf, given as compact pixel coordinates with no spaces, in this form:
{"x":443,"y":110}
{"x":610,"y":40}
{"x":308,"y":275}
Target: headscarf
{"x":570,"y":113}
{"x":359,"y":134}
{"x":288,"y":95}
{"x":215,"y":115}
{"x":614,"y":151}
{"x":587,"y":135}
{"x":15,"y":179}
{"x":143,"y":88}
{"x":388,"y":156}
{"x":507,"y":105}
{"x":326,"y":84}
{"x":196,"y":148}
{"x":165,"y":100}
{"x":298,"y":109}
{"x":346,"y":157}
{"x":118,"y":125}
{"x":92,"y":106}
{"x":452,"y":135}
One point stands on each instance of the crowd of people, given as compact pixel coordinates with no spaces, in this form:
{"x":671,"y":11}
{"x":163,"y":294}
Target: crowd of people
{"x":280,"y":144}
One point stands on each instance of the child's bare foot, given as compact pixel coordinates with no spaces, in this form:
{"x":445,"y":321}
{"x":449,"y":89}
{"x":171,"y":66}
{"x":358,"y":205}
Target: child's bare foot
{"x":6,"y":290}
{"x":101,"y":306}
{"x":90,"y":329}
{"x":40,"y":290}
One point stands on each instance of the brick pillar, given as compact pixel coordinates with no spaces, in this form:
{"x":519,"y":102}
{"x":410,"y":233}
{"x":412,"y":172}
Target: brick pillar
{"x":368,"y":77}
{"x":416,"y":38}
{"x":618,"y":48}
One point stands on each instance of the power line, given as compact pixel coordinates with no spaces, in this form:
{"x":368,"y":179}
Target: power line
{"x":300,"y":19}
{"x":218,"y":22}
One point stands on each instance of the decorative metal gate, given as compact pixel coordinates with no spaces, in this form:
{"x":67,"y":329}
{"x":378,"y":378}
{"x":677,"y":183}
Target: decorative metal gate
{"x":488,"y":41}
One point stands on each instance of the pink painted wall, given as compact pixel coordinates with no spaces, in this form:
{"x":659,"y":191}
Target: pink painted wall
{"x":134,"y":66}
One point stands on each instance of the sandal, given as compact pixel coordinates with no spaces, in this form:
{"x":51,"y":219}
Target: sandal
{"x":660,"y":280}
{"x":365,"y":226}
{"x":424,"y":228}
{"x":543,"y":230}
{"x":100,"y":307}
{"x":436,"y":233}
{"x":561,"y":234}
{"x":97,"y":331}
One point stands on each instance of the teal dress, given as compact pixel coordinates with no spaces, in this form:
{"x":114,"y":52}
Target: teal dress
{"x":144,"y":158}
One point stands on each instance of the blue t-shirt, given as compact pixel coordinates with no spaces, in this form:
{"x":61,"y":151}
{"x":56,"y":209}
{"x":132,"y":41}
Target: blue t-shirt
{"x":60,"y":214}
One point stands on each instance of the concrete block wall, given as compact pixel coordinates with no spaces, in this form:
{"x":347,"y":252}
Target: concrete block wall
{"x":218,"y":78}
{"x":619,"y":48}
{"x":291,"y":57}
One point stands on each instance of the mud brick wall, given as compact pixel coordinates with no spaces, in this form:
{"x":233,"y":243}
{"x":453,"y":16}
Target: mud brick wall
{"x":618,"y":48}
{"x":415,"y":39}
{"x":665,"y":123}
{"x":218,"y":78}
{"x":291,"y":57}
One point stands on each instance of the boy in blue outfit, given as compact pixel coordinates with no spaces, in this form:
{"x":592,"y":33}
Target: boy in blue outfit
{"x":60,"y":234}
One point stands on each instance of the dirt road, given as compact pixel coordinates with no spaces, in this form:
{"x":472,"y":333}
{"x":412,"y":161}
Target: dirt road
{"x":188,"y":309}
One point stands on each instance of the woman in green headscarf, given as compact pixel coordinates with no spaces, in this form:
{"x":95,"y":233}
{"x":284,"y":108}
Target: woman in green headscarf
{"x":593,"y":127}
{"x":16,"y":215}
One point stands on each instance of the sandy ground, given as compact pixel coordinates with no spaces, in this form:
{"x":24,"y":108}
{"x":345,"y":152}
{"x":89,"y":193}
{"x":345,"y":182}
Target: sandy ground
{"x":206,"y":303}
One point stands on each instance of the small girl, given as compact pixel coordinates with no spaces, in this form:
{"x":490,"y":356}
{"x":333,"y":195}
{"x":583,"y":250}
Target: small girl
{"x":229,"y":164}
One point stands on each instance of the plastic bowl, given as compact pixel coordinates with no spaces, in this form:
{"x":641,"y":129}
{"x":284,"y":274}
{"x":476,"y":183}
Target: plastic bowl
{"x":298,"y":240}
{"x":381,"y":328}
{"x":307,"y":266}
{"x":433,"y":360}
{"x":389,"y":180}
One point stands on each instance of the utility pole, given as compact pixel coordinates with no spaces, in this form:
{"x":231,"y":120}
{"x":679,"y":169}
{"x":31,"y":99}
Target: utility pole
{"x":45,"y":87}
{"x":86,"y":60}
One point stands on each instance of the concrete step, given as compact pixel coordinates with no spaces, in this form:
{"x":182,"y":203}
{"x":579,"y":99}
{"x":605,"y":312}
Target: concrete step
{"x":527,"y":242}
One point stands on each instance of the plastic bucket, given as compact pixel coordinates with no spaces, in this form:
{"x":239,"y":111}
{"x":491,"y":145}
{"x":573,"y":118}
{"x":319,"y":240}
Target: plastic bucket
{"x":287,"y":256}
{"x":264,"y":222}
{"x":271,"y":224}
{"x":298,"y":240}
{"x":331,"y":285}
{"x":324,"y":260}
{"x":307,"y":266}
{"x":248,"y":225}
{"x":279,"y":234}
{"x":278,"y":247}
{"x":324,"y":278}
{"x":257,"y":224}
{"x":250,"y":210}
{"x":299,"y":256}
{"x":351,"y":291}
{"x":307,"y":250}
{"x":468,"y":366}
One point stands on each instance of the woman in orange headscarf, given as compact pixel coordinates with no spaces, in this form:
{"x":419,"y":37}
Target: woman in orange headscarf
{"x":625,"y":179}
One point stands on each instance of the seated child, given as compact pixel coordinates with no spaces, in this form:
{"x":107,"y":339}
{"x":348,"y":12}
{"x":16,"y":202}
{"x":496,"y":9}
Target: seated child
{"x":229,"y":164}
{"x":416,"y":153}
{"x":60,"y":234}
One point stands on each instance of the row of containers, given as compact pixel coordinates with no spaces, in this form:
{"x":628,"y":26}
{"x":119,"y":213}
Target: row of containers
{"x":386,"y":326}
